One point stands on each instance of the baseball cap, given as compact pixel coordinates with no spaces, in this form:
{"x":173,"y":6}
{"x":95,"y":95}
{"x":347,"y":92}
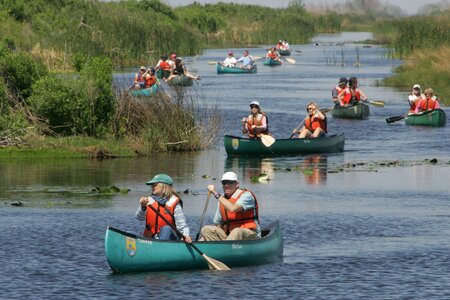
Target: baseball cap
{"x":230,"y":176}
{"x":230,"y":53}
{"x":342,"y":80}
{"x":254,"y":103}
{"x":416,"y":86}
{"x":160,"y":178}
{"x":142,"y":68}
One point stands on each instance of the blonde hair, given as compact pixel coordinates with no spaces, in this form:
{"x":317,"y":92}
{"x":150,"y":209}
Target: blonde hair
{"x":313,"y":103}
{"x":168,"y":191}
{"x":428,"y":91}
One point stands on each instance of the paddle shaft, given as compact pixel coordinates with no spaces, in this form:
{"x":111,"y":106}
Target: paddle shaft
{"x":299,"y":125}
{"x":180,"y":235}
{"x":394,"y":119}
{"x":203,"y":216}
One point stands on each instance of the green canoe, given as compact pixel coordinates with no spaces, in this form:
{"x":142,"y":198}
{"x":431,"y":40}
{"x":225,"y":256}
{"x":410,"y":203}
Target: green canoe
{"x":181,"y":80}
{"x":126,"y":252}
{"x":244,"y":146}
{"x":162,"y":73}
{"x":151,"y":91}
{"x":359,"y":111}
{"x":435,"y":117}
{"x":230,"y":70}
{"x":272,"y":62}
{"x":285,"y":52}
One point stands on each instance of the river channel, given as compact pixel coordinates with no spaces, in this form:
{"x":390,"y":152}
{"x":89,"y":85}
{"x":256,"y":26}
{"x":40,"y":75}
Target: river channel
{"x":371,"y":222}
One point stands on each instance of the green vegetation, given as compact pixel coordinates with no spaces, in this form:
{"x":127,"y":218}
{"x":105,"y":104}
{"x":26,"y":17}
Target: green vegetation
{"x":424,"y":42}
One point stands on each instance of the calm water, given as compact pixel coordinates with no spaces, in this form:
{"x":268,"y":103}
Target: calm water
{"x":355,"y":226}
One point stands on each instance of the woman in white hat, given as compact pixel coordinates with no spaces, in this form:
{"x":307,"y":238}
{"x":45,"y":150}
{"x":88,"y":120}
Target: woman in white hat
{"x":236,"y":216}
{"x":416,"y":95}
{"x":256,"y":123}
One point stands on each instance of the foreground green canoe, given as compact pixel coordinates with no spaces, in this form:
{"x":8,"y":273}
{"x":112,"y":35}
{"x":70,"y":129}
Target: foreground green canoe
{"x":229,"y":70}
{"x":244,"y":146}
{"x":151,"y":91}
{"x":359,"y":111}
{"x":126,"y":252}
{"x":285,"y":52}
{"x":181,"y":80}
{"x":272,"y":62}
{"x":436,"y":118}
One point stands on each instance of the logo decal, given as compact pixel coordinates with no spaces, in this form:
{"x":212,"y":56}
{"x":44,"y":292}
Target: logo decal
{"x":235,"y":144}
{"x":131,"y":246}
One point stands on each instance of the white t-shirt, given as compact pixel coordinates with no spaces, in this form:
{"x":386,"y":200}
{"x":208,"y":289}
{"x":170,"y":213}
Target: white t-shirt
{"x":230,"y":62}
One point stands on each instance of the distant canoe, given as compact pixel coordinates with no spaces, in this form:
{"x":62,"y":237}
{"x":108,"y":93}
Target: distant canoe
{"x":162,"y":73}
{"x":126,"y":252}
{"x":181,"y":80}
{"x":359,"y":111}
{"x":151,"y":91}
{"x":230,"y":70}
{"x":244,"y":146}
{"x":272,"y":62}
{"x":284,"y":52}
{"x":435,"y":118}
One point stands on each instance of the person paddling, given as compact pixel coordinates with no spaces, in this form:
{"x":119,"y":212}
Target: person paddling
{"x":351,"y":95}
{"x":256,"y":123}
{"x":315,"y":123}
{"x":429,"y":103}
{"x":138,"y":78}
{"x":342,"y":84}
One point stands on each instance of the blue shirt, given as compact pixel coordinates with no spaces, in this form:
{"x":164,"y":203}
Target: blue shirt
{"x":246,"y":60}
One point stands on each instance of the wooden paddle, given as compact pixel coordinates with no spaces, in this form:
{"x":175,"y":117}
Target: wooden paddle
{"x":394,"y":119}
{"x":377,"y":103}
{"x":267,"y":140}
{"x":328,"y":109}
{"x":203,"y":216}
{"x":210,"y":62}
{"x":298,"y":127}
{"x":212,"y":263}
{"x":298,"y":51}
{"x":290,"y":60}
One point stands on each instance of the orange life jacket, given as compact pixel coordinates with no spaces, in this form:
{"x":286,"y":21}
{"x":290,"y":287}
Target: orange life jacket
{"x":153,"y":223}
{"x":165,"y":65}
{"x":139,"y":77}
{"x":428,"y":104}
{"x":349,"y":96}
{"x":272,"y":55}
{"x":240,"y":219}
{"x":149,"y":81}
{"x":257,"y":122}
{"x":316,"y":122}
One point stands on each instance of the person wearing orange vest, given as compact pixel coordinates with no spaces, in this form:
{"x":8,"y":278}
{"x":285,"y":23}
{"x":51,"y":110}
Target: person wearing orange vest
{"x":273,"y":54}
{"x":256,"y":123}
{"x":342,"y":84}
{"x":167,"y":202}
{"x":429,"y":103}
{"x":236,"y":216}
{"x":315,"y":123}
{"x":138,"y":79}
{"x":163,"y":64}
{"x":150,"y":78}
{"x":413,"y":99}
{"x":351,"y":95}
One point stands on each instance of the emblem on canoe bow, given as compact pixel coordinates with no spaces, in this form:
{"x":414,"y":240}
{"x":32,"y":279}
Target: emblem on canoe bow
{"x":130,"y":246}
{"x":235,"y":144}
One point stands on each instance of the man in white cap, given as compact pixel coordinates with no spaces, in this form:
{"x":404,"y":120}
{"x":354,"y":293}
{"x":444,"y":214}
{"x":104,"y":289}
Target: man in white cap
{"x":256,"y":123}
{"x":236,"y":216}
{"x":230,"y":61}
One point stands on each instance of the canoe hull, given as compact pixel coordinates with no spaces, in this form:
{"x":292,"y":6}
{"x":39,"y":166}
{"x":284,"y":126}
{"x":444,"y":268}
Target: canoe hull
{"x":272,"y":62}
{"x":127,"y":252}
{"x":162,"y":73}
{"x":245,"y":146}
{"x":434,"y":118}
{"x":285,"y":52}
{"x":151,"y":91}
{"x":359,"y":111}
{"x":181,"y":80}
{"x":228,"y":70}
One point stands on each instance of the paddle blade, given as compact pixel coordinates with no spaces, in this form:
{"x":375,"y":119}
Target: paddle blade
{"x":215,"y":264}
{"x":212,"y":62}
{"x":377,"y":103}
{"x":394,"y":119}
{"x":290,"y":60}
{"x":267,"y":140}
{"x":256,"y":57}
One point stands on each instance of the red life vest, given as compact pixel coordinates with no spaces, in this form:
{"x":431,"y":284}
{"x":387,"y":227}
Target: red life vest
{"x":257,"y":122}
{"x":165,"y":65}
{"x":149,"y":81}
{"x":428,"y":104}
{"x":153,"y":222}
{"x":240,"y":219}
{"x":139,"y":77}
{"x":272,"y":55}
{"x":316,"y":122}
{"x":349,"y":96}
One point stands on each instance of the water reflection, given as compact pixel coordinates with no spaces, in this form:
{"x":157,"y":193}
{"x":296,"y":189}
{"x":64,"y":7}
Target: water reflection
{"x":250,"y":167}
{"x":315,"y":169}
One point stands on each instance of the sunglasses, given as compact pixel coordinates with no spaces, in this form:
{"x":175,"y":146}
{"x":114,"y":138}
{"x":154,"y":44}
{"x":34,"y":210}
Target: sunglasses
{"x":309,"y":109}
{"x":254,"y":106}
{"x":229,"y":182}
